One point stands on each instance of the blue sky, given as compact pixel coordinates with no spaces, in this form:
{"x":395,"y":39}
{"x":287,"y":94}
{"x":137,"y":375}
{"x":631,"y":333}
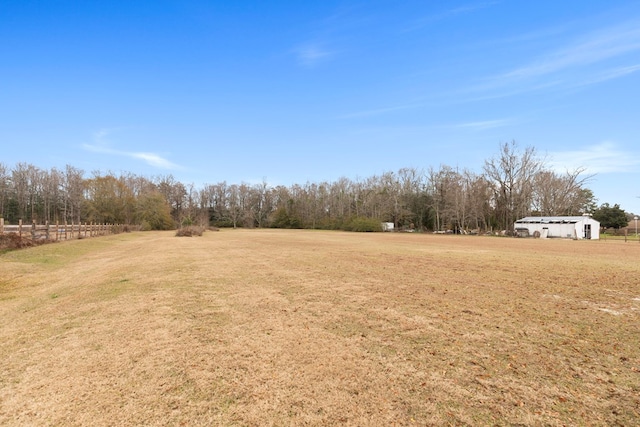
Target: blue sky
{"x":291,"y":91}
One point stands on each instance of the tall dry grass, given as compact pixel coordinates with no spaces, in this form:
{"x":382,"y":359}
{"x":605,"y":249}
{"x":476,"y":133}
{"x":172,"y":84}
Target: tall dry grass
{"x":273,"y":327}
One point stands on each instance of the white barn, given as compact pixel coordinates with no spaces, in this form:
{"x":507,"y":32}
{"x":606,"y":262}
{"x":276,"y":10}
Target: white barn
{"x":568,"y":227}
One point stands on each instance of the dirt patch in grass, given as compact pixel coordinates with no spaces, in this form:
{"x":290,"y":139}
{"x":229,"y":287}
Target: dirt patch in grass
{"x":274,"y":327}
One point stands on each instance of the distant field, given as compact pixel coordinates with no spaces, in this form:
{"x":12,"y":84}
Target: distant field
{"x":273,"y":327}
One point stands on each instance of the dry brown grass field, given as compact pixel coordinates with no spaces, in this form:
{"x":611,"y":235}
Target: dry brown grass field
{"x":288,"y":328}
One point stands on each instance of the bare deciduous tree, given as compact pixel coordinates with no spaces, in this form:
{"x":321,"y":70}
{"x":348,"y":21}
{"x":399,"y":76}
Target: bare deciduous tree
{"x":511,"y":175}
{"x":5,"y":186}
{"x":514,"y":183}
{"x":73,"y":189}
{"x":557,"y":194}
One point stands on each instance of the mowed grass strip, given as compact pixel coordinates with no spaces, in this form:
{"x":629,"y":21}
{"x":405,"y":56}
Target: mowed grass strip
{"x":274,"y":327}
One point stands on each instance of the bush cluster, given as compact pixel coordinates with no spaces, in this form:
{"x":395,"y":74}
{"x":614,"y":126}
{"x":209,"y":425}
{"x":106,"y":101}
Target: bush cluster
{"x":12,"y":241}
{"x":190,"y":231}
{"x":363,"y":224}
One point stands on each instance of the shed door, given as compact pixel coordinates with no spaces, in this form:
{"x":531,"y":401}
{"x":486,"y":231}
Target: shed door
{"x":587,"y":231}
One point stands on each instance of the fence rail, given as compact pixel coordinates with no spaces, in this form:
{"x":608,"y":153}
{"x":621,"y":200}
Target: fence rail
{"x":56,"y":231}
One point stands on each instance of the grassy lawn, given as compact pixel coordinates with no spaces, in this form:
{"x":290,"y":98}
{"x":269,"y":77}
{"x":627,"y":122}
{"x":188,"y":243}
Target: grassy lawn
{"x":631,"y":237}
{"x":275,"y":327}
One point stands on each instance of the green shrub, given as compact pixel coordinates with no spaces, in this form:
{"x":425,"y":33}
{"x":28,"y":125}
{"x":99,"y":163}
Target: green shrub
{"x":363,"y":224}
{"x":154,"y":213}
{"x":222,"y":223}
{"x":282,"y":219}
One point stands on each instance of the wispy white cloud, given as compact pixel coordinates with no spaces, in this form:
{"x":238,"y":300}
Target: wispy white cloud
{"x":605,"y":157}
{"x":393,"y":132}
{"x":493,"y":91}
{"x":312,"y":54}
{"x":611,"y":74}
{"x":471,"y":7}
{"x":329,"y":37}
{"x":486,"y":124}
{"x":536,"y":35}
{"x":379,"y":111}
{"x":101,"y":145}
{"x":595,"y":47}
{"x":153,"y":160}
{"x":468,"y":8}
{"x":578,"y":57}
{"x":100,"y":136}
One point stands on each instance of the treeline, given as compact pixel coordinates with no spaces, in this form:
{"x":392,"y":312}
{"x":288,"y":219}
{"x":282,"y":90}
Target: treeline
{"x":513,"y":184}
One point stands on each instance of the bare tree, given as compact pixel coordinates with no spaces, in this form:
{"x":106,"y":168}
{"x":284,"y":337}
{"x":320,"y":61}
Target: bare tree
{"x":511,"y":175}
{"x":219,"y":210}
{"x":51,"y":194}
{"x":73,"y":189}
{"x":410,"y":181}
{"x":109,"y":200}
{"x":22,"y":189}
{"x":234,"y":204}
{"x":175,"y":193}
{"x":191,"y":206}
{"x":341,"y":197}
{"x":557,"y":194}
{"x":444,"y":188}
{"x":5,"y":186}
{"x":514,"y":184}
{"x":479,"y":195}
{"x":260,"y":203}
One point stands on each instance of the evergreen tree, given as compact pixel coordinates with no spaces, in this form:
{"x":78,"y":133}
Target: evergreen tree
{"x":610,"y":216}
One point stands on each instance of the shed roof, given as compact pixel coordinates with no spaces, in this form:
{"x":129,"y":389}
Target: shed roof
{"x":553,"y":219}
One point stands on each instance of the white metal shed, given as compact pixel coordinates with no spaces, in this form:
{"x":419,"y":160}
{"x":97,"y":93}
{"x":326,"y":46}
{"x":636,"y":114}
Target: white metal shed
{"x":568,"y":227}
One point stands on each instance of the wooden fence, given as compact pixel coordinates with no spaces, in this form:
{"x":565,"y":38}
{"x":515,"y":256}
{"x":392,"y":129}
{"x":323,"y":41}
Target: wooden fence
{"x":57,"y":231}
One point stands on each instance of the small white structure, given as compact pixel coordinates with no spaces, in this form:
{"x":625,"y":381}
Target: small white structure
{"x":387,"y":226}
{"x":567,"y":227}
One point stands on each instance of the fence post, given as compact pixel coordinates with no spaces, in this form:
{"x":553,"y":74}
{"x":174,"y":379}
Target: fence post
{"x":47,"y":232}
{"x":33,"y":229}
{"x":1,"y":225}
